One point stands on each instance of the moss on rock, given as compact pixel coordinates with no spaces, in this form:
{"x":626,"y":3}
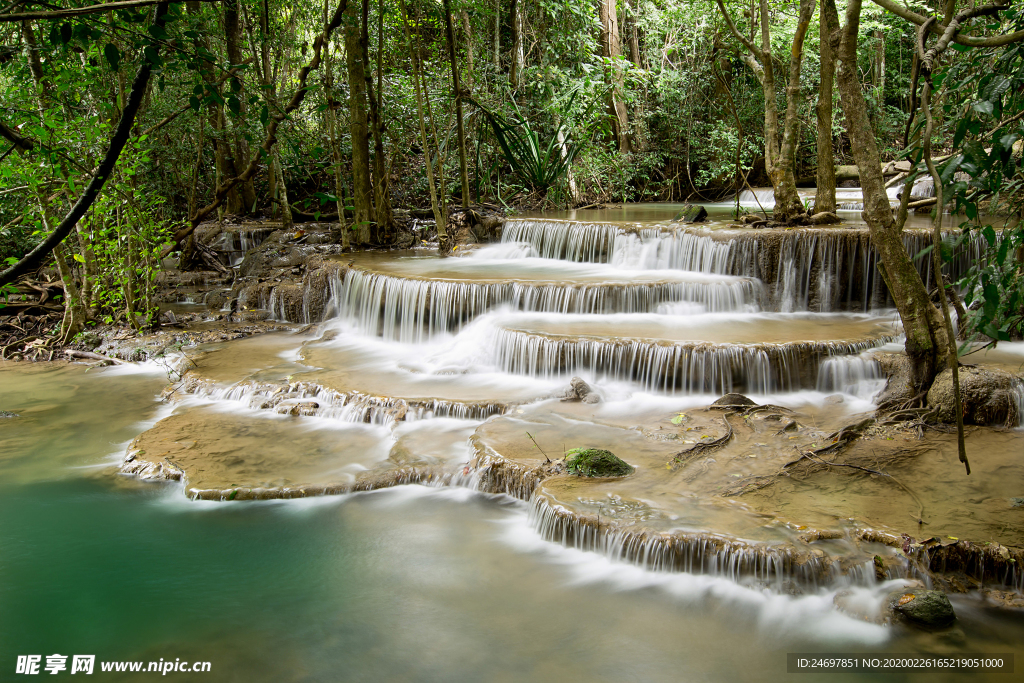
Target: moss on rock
{"x":596,"y":462}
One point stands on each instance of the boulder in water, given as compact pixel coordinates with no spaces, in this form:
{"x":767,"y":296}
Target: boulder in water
{"x":580,"y":391}
{"x":691,"y":213}
{"x":922,"y":607}
{"x":988,"y":397}
{"x":596,"y":462}
{"x":824,"y":218}
{"x":734,"y":400}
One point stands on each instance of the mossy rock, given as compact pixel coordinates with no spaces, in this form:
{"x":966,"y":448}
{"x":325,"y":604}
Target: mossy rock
{"x":596,"y":462}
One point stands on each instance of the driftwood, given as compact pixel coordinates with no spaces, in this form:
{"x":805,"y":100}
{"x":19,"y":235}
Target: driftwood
{"x":89,"y":355}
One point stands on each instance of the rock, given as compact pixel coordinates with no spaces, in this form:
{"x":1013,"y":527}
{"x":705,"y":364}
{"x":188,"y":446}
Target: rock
{"x":691,"y":213}
{"x":596,"y":462}
{"x":751,"y":218}
{"x":217,"y":298}
{"x":847,"y":173}
{"x":824,"y":218}
{"x":1014,"y":502}
{"x":87,"y":341}
{"x":848,"y":183}
{"x":734,"y":400}
{"x":988,"y":397}
{"x":580,"y":391}
{"x":834,"y":399}
{"x":922,"y":607}
{"x":6,"y":413}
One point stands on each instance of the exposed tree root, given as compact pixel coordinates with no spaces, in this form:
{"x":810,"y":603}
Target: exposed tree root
{"x":684,"y":457}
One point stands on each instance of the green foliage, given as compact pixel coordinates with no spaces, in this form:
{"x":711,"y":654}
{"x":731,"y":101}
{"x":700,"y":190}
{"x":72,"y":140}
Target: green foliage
{"x":537,"y":164}
{"x":984,"y":99}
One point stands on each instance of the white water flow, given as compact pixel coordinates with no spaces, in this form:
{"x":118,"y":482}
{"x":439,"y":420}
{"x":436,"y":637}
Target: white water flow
{"x":449,"y":374}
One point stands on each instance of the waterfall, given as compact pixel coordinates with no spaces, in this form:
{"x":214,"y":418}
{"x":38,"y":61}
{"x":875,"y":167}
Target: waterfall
{"x":413,"y":310}
{"x":680,"y":367}
{"x":859,"y":376}
{"x":809,"y":269}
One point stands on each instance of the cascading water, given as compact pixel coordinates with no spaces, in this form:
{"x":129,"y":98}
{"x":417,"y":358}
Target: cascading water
{"x":640,"y":312}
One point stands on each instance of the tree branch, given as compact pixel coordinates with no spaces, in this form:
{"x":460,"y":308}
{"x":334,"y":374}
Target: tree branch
{"x":117,"y":142}
{"x":754,"y":49}
{"x":20,"y":141}
{"x":938,"y":29}
{"x":49,"y":15}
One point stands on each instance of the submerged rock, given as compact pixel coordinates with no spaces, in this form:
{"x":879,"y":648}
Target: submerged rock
{"x":5,"y":413}
{"x":922,"y":607}
{"x":691,"y":213}
{"x":596,"y":462}
{"x":987,"y":396}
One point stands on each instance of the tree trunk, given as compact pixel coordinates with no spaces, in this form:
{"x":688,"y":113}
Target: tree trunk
{"x":879,"y":62}
{"x":331,"y":120}
{"x":382,"y":197}
{"x":633,"y":33}
{"x":362,"y":187}
{"x":825,"y":196}
{"x":515,"y":72}
{"x":460,"y":127}
{"x":787,"y":199}
{"x":611,"y":49}
{"x":497,"y":36}
{"x":926,"y":344}
{"x":440,"y":220}
{"x":287,"y":223}
{"x":233,"y":40}
{"x":467,"y":30}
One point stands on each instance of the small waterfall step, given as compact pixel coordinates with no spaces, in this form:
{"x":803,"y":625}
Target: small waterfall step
{"x":691,"y":354}
{"x":265,"y":455}
{"x":414,"y":298}
{"x":820,"y":269}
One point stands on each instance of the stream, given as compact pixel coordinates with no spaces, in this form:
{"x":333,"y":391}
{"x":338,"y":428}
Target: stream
{"x":420,"y":365}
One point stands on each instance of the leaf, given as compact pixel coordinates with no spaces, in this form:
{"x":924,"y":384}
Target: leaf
{"x":112,"y":55}
{"x":983,"y":107}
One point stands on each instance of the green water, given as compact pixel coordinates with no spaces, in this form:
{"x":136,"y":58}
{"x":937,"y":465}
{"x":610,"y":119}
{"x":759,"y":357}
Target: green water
{"x":409,"y":584}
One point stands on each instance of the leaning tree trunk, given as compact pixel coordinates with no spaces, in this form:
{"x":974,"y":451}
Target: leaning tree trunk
{"x":926,"y":344}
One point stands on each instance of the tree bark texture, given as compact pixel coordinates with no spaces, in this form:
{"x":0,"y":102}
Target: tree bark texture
{"x":460,"y":126}
{"x":362,"y":187}
{"x":611,"y":50}
{"x":825,"y":195}
{"x":926,"y":344}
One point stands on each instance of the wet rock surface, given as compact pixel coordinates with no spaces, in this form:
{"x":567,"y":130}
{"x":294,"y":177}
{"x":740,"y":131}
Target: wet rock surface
{"x":987,"y":395}
{"x":928,"y":609}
